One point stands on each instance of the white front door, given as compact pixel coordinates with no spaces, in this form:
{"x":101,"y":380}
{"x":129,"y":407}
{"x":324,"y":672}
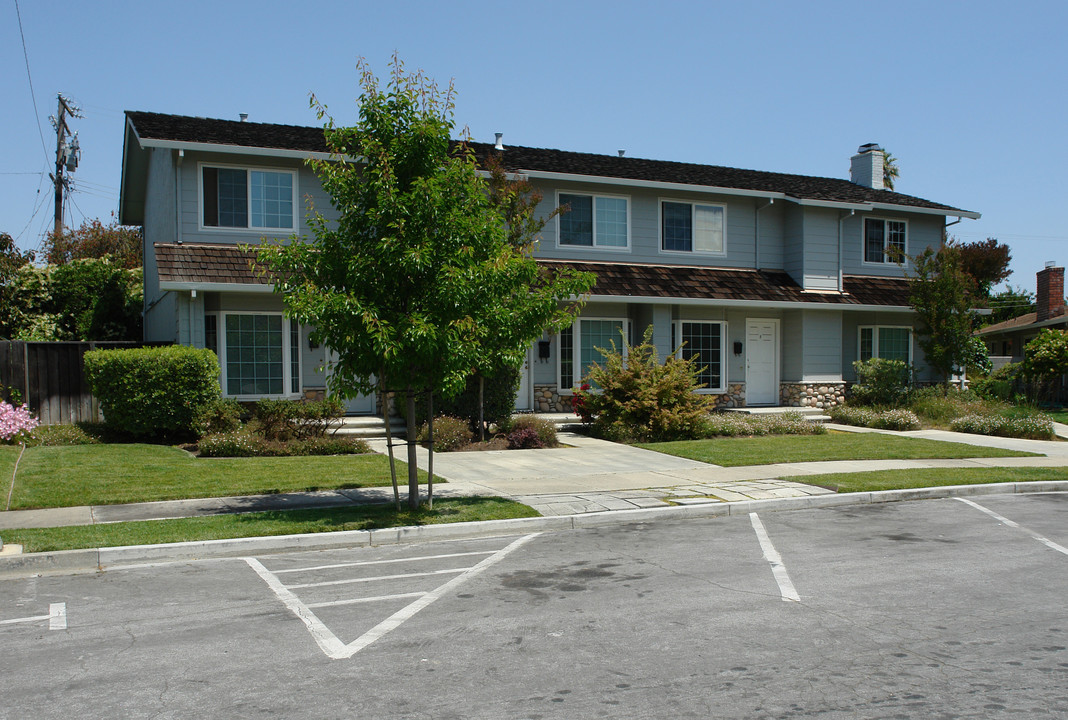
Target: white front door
{"x":523,"y":399}
{"x":359,"y":405}
{"x":761,"y":362}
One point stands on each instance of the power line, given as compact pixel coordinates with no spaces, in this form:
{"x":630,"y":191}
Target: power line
{"x":33,"y":98}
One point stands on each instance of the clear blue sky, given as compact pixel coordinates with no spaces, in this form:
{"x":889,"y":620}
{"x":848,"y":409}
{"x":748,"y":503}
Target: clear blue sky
{"x":969,"y":96}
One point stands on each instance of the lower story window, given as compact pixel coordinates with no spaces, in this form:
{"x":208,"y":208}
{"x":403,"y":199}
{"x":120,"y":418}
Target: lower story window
{"x":704,"y":342}
{"x":259,"y":353}
{"x":889,"y":343}
{"x":579,"y":343}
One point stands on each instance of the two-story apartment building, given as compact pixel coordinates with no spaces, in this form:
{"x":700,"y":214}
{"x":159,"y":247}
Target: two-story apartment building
{"x":776,"y":282}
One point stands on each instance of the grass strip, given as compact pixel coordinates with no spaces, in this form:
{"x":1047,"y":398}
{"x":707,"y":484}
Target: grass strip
{"x":107,"y":474}
{"x":769,"y":449}
{"x":260,"y":524}
{"x":928,"y":477}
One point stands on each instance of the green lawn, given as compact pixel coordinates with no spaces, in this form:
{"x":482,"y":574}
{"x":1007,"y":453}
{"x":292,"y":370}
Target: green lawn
{"x":1060,"y":416}
{"x":731,"y":452}
{"x":929,"y":477}
{"x":260,"y":524}
{"x":125,"y":473}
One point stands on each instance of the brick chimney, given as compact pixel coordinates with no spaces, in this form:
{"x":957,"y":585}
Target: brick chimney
{"x":866,"y":167}
{"x":1050,"y":292}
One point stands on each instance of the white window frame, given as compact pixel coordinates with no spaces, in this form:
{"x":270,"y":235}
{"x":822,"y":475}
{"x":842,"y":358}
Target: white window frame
{"x":693,"y":224}
{"x":676,"y":327}
{"x":576,"y":350}
{"x":886,"y":241}
{"x":249,"y":169}
{"x":593,"y":198}
{"x":287,"y":378}
{"x":875,"y":339}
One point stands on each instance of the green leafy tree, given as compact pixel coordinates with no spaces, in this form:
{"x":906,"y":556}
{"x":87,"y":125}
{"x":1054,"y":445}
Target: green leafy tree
{"x":12,"y":260}
{"x":405,"y":284}
{"x":1009,"y":303}
{"x":1046,"y":359}
{"x":94,"y":239}
{"x":987,"y":261}
{"x":942,"y":295}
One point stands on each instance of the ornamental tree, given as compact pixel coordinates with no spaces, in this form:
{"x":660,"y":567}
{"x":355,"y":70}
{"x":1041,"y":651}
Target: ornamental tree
{"x":942,"y":294}
{"x":416,"y":271}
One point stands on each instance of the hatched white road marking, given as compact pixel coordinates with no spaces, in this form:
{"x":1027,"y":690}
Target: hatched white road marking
{"x":786,"y":587}
{"x":337,"y":650}
{"x":56,"y":617}
{"x":350,"y":581}
{"x":382,"y":562}
{"x":1002,"y":519}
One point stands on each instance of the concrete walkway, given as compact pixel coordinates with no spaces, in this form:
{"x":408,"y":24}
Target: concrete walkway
{"x":588,"y":476}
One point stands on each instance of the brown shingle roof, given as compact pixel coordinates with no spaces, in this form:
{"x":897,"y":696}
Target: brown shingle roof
{"x":180,"y":128}
{"x":203,"y":263}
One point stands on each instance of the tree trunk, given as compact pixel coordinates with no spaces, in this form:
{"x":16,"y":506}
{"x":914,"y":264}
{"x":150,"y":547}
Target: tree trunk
{"x":430,"y":461}
{"x":389,"y":438}
{"x":413,"y":464}
{"x":481,"y":407}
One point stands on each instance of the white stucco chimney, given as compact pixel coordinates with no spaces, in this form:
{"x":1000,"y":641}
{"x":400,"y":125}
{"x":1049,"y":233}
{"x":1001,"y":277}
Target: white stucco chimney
{"x":866,"y":167}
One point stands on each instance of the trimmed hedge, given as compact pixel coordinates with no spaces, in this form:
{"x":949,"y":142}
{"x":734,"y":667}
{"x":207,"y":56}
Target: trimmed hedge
{"x":151,"y":392}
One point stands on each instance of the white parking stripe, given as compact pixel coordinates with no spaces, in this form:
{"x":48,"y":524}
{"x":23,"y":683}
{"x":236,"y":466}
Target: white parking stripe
{"x":56,"y":617}
{"x":338,"y":650}
{"x":383,"y":562}
{"x":786,"y":587}
{"x":350,"y":581}
{"x":1002,"y":519}
{"x":357,"y":601}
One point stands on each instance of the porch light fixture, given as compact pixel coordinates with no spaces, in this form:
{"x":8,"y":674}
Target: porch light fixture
{"x":543,"y":349}
{"x":737,"y":347}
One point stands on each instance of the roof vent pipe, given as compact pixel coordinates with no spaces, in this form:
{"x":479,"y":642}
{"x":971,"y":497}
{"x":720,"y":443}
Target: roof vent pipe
{"x":621,"y":152}
{"x":243,"y":116}
{"x":498,"y":145}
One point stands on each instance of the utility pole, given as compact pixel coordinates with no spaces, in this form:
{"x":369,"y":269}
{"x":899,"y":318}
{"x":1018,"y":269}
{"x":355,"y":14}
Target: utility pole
{"x":67,"y":154}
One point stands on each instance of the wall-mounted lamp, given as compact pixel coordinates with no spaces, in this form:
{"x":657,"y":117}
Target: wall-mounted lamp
{"x":737,"y":347}
{"x":543,"y":350}
{"x":312,"y":345}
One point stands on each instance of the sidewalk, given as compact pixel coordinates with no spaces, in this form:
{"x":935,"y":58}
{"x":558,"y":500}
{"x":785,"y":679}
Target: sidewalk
{"x":589,"y":476}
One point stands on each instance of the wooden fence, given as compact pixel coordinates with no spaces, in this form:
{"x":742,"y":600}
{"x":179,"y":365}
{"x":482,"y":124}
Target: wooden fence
{"x":50,"y":377}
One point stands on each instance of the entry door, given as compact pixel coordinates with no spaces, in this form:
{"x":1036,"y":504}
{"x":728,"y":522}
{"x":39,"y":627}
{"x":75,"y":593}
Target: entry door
{"x":523,"y":397}
{"x":361,"y":404}
{"x":761,"y":362}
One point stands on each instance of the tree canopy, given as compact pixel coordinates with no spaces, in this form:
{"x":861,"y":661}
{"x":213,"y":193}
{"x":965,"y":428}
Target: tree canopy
{"x":94,"y":239}
{"x":415,"y":282}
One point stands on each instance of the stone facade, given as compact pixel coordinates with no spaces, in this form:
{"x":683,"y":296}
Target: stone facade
{"x":314,"y":394}
{"x":548,"y":399}
{"x":816,"y":395}
{"x":733,"y":398}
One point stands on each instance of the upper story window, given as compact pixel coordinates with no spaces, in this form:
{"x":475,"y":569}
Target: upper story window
{"x":691,"y":227}
{"x":594,"y":221}
{"x":884,"y":240}
{"x":247,"y":198}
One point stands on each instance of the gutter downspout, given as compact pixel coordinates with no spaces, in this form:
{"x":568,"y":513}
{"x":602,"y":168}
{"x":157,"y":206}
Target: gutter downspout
{"x":756,"y":236}
{"x":841,"y":249}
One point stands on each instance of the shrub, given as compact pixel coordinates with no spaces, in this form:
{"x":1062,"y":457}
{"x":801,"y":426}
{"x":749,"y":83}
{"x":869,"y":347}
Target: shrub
{"x":544,"y":429}
{"x":524,"y":438}
{"x":730,"y":424}
{"x":1003,"y":384}
{"x":642,"y":399}
{"x":153,"y":391}
{"x":243,"y":443}
{"x":899,"y":420}
{"x":16,"y":423}
{"x":450,"y":433}
{"x":285,"y":419}
{"x":880,"y":382}
{"x":1029,"y":426}
{"x":498,"y":395}
{"x":59,"y":435}
{"x":220,"y":416}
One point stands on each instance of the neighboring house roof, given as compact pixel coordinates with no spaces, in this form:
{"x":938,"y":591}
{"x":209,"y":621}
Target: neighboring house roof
{"x":179,"y":131}
{"x":202,"y":266}
{"x":1022,"y":323}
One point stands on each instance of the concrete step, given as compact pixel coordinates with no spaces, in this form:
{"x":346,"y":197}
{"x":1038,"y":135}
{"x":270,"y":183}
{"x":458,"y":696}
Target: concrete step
{"x":560,"y":420}
{"x":368,"y":427}
{"x":809,"y":413}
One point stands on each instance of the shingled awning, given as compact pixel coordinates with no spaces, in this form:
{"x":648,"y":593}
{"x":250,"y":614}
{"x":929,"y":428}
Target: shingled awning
{"x":190,"y":266}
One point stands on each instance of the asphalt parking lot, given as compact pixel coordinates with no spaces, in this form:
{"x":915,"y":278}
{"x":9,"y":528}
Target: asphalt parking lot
{"x":931,"y":609}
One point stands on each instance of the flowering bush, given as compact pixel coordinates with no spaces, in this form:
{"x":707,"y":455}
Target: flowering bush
{"x":16,"y":423}
{"x":898,"y":420}
{"x":544,"y":429}
{"x":524,"y":438}
{"x":1033,"y":427}
{"x":740,"y":425}
{"x":242,"y":443}
{"x":450,"y":434}
{"x":580,"y":403}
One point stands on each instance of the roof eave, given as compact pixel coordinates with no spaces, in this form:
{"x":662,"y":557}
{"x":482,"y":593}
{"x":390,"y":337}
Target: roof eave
{"x":236,"y":149}
{"x":184,"y":285}
{"x":763,"y":304}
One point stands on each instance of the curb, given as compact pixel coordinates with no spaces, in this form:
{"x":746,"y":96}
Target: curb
{"x":93,"y":560}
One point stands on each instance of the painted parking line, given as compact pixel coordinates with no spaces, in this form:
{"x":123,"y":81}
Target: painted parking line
{"x":329,"y":643}
{"x":1005,"y":521}
{"x":56,"y":617}
{"x":778,"y":570}
{"x":382,"y":562}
